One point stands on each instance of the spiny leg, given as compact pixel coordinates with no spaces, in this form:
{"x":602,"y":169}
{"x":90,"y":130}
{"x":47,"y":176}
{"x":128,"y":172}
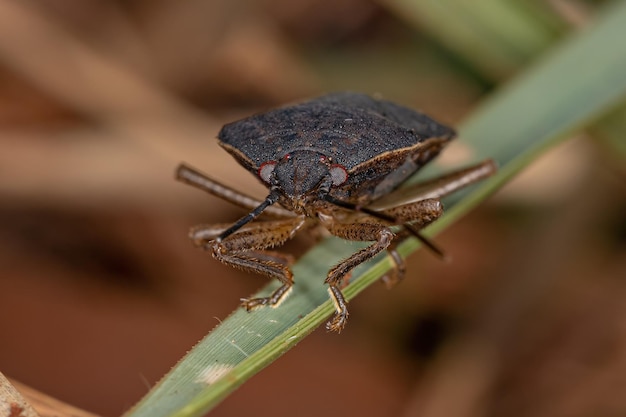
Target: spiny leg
{"x":382,"y":237}
{"x":362,"y":227}
{"x":245,"y":249}
{"x":378,"y":213}
{"x":419,"y":215}
{"x":398,"y":270}
{"x":416,"y":215}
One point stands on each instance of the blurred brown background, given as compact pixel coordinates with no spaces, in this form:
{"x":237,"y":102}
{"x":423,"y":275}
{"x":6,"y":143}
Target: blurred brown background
{"x":101,"y":292}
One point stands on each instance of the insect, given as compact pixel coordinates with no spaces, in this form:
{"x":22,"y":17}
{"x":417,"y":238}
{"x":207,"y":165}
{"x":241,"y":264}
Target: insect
{"x":333,"y":161}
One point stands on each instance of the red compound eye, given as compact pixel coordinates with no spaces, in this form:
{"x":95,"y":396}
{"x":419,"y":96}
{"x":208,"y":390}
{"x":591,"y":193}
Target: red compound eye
{"x":266,"y":169}
{"x":338,"y":174}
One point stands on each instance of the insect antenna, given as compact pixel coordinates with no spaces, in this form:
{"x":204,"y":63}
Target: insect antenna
{"x":269,"y":200}
{"x":382,"y":216}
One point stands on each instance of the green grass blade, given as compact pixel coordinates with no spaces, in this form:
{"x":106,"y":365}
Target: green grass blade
{"x":496,"y":37}
{"x":576,"y":84}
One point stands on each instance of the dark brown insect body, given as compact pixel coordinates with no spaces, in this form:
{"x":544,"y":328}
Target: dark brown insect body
{"x":329,"y":161}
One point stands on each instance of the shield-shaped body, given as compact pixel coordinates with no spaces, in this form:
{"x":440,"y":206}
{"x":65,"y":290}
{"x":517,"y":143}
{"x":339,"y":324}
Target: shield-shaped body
{"x":378,"y":144}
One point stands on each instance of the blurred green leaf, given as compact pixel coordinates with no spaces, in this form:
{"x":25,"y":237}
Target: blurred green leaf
{"x":611,"y":130}
{"x":578,"y":82}
{"x":496,"y":37}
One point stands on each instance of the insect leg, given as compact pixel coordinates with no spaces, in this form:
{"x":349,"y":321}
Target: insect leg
{"x":382,"y":237}
{"x":415,"y":215}
{"x":419,"y":214}
{"x":396,"y":274}
{"x":246,"y":249}
{"x":437,"y":187}
{"x":381,"y":216}
{"x":200,"y":180}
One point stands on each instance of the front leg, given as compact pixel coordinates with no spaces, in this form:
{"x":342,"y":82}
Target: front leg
{"x":382,"y":237}
{"x":246,"y":249}
{"x":419,"y":215}
{"x":362,"y":227}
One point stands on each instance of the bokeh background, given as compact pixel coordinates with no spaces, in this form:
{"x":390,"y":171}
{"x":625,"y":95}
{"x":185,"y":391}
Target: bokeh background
{"x":101,"y":292}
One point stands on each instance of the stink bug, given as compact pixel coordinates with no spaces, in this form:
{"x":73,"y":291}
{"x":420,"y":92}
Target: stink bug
{"x":333,"y":161}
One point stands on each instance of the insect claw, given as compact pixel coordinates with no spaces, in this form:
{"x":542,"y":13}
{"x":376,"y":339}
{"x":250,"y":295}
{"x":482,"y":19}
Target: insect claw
{"x":338,"y":322}
{"x":340,"y":318}
{"x":251,"y":303}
